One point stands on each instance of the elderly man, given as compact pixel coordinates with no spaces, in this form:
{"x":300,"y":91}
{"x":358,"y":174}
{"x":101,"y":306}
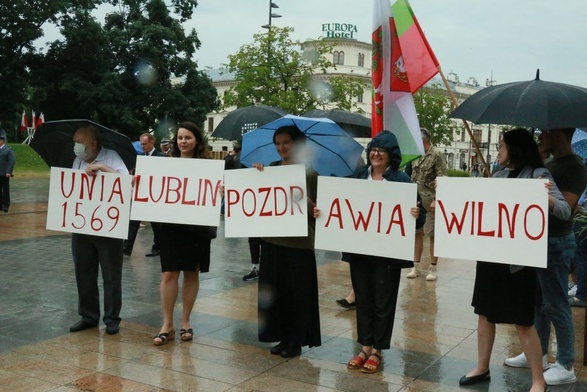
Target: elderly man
{"x":148,"y":145}
{"x":7,"y":162}
{"x":165,"y":145}
{"x":424,"y":172}
{"x":90,"y":251}
{"x":552,"y":306}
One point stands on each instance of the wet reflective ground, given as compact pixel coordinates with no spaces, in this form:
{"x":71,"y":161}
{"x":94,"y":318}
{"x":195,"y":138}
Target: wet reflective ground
{"x":433,"y":342}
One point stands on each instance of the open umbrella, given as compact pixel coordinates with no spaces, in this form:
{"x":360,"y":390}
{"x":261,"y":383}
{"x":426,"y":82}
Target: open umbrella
{"x":354,"y":124}
{"x":243,"y":120}
{"x":331,"y":151}
{"x":579,"y":143}
{"x":53,"y":141}
{"x":534,"y":103}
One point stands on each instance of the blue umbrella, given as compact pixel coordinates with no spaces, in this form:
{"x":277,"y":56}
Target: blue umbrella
{"x":579,"y":142}
{"x":137,"y":145}
{"x":331,"y":151}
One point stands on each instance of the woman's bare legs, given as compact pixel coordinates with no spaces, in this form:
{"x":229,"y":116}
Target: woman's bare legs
{"x":169,"y":290}
{"x":533,"y":351}
{"x":485,"y":339}
{"x":191,"y":285}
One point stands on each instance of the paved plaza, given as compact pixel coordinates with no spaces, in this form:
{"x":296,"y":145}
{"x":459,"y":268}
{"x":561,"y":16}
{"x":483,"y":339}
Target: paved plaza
{"x":433,"y":344}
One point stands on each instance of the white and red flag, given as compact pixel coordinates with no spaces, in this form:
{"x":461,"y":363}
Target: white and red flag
{"x":402,"y":63}
{"x":40,"y":120}
{"x":23,"y":122}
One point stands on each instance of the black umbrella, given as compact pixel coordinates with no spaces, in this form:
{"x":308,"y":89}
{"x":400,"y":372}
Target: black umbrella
{"x":243,"y":120}
{"x":534,"y":103}
{"x":354,"y":124}
{"x":53,"y":141}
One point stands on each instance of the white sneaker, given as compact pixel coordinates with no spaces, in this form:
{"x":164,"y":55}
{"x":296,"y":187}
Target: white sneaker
{"x":572,"y":289}
{"x":557,"y":374}
{"x":415,"y":272}
{"x":431,"y":273}
{"x":521,"y":362}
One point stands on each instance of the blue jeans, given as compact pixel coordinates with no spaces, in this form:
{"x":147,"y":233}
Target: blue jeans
{"x":552,"y":305}
{"x":580,"y":229}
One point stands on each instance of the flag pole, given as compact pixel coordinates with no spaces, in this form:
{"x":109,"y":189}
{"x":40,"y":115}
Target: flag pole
{"x":455,"y":104}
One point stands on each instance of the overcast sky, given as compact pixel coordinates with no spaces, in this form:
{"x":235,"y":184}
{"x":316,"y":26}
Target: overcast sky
{"x":472,"y":38}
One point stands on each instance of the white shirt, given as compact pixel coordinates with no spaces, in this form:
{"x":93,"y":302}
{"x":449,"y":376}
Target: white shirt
{"x":106,"y":157}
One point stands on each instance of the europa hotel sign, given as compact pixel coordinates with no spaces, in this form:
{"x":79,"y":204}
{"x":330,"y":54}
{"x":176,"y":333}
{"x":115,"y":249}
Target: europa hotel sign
{"x":339,"y":30}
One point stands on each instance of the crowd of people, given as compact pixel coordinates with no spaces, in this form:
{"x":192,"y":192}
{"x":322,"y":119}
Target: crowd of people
{"x":530,"y":298}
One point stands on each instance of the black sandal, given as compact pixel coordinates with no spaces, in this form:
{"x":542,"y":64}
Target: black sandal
{"x":183,"y":332}
{"x":163,"y":337}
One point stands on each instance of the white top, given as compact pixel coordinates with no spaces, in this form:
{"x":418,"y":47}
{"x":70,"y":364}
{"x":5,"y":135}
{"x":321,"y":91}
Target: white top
{"x":106,"y":157}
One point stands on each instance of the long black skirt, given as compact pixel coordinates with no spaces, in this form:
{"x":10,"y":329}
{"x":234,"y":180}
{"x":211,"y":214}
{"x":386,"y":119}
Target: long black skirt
{"x":288,"y":296}
{"x":503,"y":297}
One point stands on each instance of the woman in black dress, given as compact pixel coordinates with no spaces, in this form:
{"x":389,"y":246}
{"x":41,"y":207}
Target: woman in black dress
{"x":504,"y":294}
{"x":183,"y":248}
{"x":288,"y":279}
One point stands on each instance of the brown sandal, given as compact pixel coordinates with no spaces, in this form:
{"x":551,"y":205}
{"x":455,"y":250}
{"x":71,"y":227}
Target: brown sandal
{"x":358,"y":361}
{"x":372,"y":366}
{"x":163,"y":337}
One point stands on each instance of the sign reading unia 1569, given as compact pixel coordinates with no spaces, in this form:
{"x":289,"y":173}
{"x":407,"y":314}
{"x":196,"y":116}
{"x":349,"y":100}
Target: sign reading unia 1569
{"x":339,"y":30}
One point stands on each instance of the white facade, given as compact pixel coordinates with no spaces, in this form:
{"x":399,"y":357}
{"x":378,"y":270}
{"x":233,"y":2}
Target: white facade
{"x":353,"y":57}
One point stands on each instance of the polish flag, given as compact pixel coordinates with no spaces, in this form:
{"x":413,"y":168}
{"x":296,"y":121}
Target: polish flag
{"x":40,"y":120}
{"x":23,"y":123}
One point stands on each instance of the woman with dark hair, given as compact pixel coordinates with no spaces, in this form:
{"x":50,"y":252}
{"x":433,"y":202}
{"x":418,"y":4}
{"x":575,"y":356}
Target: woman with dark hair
{"x":288,"y":279}
{"x":376,"y":279}
{"x":183,"y":248}
{"x":505,"y":294}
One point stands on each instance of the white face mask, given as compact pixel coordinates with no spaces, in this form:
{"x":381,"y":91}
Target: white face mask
{"x":80,"y":151}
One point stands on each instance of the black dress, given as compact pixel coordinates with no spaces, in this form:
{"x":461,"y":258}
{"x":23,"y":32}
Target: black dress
{"x":288,"y":285}
{"x":502,"y":296}
{"x":182,"y":249}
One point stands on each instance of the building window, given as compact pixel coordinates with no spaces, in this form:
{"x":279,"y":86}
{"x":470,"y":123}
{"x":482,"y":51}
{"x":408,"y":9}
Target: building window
{"x":477,"y":133}
{"x":338,"y":58}
{"x":361,"y":62}
{"x":360,"y":98}
{"x":210,"y":124}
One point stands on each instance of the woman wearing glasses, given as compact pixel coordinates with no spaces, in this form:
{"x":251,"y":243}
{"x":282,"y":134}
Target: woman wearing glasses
{"x":376,"y":279}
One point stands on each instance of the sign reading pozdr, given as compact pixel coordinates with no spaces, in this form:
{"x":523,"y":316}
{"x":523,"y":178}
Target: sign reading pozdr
{"x":366,"y":217}
{"x":178,"y":190}
{"x":97,"y":205}
{"x":268,"y":203}
{"x":499,"y":220}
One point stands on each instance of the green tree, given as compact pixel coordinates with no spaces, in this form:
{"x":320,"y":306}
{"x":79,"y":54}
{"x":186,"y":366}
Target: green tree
{"x":130,"y":73}
{"x":22,"y":23}
{"x":276,"y":71}
{"x":433,"y":108}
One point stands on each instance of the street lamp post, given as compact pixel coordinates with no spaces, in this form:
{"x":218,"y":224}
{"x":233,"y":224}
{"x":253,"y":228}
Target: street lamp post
{"x":271,"y":15}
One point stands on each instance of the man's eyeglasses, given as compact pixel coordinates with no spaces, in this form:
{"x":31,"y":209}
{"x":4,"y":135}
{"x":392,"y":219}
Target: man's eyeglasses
{"x":378,"y":151}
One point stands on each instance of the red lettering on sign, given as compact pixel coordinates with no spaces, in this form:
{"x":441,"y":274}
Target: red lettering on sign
{"x":116,"y":190}
{"x":173,"y":186}
{"x":63,"y":183}
{"x":507,"y":218}
{"x":335,"y":213}
{"x":399,"y":220}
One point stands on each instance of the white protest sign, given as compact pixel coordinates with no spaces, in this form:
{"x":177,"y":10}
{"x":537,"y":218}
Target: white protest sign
{"x":268,"y":203}
{"x":500,"y":220}
{"x":366,"y":217}
{"x":178,"y":190}
{"x":97,"y":205}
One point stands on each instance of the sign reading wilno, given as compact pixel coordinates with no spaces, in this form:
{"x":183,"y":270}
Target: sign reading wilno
{"x":497,"y":220}
{"x":339,"y":30}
